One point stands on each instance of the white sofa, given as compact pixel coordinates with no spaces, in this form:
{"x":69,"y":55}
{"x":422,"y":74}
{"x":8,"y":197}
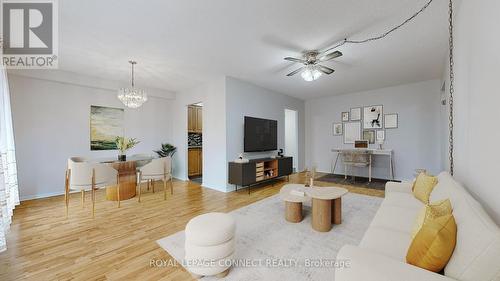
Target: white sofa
{"x":381,"y":255}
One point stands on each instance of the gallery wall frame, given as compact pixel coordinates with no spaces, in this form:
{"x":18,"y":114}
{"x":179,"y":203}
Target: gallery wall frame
{"x":373,"y":116}
{"x":352,"y":132}
{"x":355,"y":114}
{"x":338,"y":129}
{"x":391,"y":121}
{"x":345,"y":116}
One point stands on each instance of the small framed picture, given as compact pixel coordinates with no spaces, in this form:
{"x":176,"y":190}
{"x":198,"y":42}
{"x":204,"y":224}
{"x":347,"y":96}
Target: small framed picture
{"x":369,"y":136}
{"x":356,"y":114}
{"x":380,"y":135}
{"x":338,"y":129}
{"x":391,"y":121}
{"x":345,"y":116}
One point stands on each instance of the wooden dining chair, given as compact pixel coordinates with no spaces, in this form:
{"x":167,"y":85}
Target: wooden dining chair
{"x":157,"y":169}
{"x":86,"y":176}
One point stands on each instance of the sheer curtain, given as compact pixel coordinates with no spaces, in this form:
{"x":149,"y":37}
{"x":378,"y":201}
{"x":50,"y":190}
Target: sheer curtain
{"x":9,"y":193}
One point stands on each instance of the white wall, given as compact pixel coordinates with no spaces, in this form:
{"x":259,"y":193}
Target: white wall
{"x":245,"y":99}
{"x":291,"y":136}
{"x":416,"y":143}
{"x":51,"y":123}
{"x":212,"y":95}
{"x":477,"y":100}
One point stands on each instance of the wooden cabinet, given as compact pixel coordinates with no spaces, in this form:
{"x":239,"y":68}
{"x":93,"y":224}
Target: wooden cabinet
{"x":195,"y":160}
{"x":195,"y":119}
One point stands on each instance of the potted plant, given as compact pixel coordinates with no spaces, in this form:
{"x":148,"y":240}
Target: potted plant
{"x":166,"y":150}
{"x":123,"y":145}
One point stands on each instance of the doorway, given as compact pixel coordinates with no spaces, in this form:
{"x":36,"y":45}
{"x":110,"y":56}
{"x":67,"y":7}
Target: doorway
{"x":292,"y":136}
{"x":195,"y":142}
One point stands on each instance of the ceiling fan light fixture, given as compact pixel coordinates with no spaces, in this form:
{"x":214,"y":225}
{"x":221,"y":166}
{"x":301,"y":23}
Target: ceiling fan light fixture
{"x":311,"y":73}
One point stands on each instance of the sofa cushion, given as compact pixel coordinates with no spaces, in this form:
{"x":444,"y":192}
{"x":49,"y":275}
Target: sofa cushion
{"x":395,"y":218}
{"x":433,"y":245}
{"x":429,"y":212}
{"x":423,"y":186}
{"x":403,"y":200}
{"x":387,"y":242}
{"x":478,"y":238}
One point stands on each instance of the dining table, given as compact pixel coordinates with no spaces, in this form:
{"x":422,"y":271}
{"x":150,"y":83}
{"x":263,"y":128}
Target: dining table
{"x":127,"y":175}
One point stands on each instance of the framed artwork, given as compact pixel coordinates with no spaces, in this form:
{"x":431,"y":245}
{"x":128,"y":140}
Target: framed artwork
{"x":372,"y":117}
{"x":338,"y":129}
{"x":380,"y":135}
{"x":106,"y":123}
{"x":391,"y":121}
{"x":345,"y":116}
{"x":369,"y":136}
{"x":356,"y":114}
{"x":352,"y":132}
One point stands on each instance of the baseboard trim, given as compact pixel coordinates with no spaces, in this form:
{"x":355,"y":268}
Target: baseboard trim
{"x":51,"y":194}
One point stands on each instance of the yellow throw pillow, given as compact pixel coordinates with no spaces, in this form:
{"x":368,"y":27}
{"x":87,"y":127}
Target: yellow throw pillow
{"x":431,"y":211}
{"x":423,"y":186}
{"x":432,"y":247}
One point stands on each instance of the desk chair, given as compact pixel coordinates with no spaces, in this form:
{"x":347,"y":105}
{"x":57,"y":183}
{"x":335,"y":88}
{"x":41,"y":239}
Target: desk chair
{"x":357,"y":158}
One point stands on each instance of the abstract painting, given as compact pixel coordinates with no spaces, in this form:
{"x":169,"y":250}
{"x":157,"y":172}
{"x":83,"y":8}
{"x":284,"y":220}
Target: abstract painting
{"x":106,"y":123}
{"x":372,"y":117}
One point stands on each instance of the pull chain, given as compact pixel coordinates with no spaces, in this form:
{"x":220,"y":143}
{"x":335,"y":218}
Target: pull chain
{"x":452,"y":89}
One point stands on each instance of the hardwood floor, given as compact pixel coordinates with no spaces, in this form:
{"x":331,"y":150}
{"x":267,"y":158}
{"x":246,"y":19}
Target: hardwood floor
{"x":118,"y":244}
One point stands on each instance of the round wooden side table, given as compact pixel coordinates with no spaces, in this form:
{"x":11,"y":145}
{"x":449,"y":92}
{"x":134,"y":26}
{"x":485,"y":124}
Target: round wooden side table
{"x":293,"y":202}
{"x":326,"y":207}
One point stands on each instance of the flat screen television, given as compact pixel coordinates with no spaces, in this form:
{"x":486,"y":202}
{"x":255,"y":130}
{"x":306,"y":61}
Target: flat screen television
{"x":260,"y":134}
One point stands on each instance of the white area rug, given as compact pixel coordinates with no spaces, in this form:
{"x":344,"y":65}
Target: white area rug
{"x":275,"y":249}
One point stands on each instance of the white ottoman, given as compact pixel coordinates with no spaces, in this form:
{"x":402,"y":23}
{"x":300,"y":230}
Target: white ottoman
{"x":210,"y":244}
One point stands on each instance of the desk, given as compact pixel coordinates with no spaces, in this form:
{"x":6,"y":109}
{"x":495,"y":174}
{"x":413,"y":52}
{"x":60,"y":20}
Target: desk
{"x":383,"y":152}
{"x":127,"y":175}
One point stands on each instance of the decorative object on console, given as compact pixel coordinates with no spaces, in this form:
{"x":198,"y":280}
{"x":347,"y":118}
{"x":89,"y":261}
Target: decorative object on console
{"x":132,"y":97}
{"x":338,"y":129}
{"x":166,"y":150}
{"x":280,"y":153}
{"x":380,"y":144}
{"x":356,"y":114}
{"x":372,"y":117}
{"x":105,"y":124}
{"x":352,"y":132}
{"x":369,"y":136}
{"x":241,"y":159}
{"x":345,"y":116}
{"x":380,"y":135}
{"x":361,"y":144}
{"x":123,"y":145}
{"x":391,"y":121}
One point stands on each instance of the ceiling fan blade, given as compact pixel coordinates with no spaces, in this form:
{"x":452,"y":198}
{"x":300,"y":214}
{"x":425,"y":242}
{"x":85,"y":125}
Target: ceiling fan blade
{"x":330,"y":56}
{"x":325,"y":70}
{"x":295,"y":60}
{"x":295,"y":71}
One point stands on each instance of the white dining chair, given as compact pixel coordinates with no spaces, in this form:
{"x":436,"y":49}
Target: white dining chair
{"x":157,"y":169}
{"x":86,"y":176}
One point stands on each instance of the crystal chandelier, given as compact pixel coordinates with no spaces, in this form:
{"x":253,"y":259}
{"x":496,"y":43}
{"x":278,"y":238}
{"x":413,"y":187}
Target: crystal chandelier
{"x":132,"y":97}
{"x":311,"y":73}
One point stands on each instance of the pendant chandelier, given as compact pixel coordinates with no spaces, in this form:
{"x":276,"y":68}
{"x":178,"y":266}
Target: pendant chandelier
{"x":132,"y":97}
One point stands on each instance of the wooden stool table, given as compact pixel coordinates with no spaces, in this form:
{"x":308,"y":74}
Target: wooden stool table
{"x":293,"y":203}
{"x":326,"y":207}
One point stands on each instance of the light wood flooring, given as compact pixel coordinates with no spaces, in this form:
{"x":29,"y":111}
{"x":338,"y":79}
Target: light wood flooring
{"x":119,"y":243}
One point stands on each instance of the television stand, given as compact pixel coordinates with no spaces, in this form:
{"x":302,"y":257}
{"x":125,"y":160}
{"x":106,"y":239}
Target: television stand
{"x":258,"y":171}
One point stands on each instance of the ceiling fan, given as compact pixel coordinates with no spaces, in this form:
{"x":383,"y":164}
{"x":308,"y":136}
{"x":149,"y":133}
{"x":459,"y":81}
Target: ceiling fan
{"x":312,"y":70}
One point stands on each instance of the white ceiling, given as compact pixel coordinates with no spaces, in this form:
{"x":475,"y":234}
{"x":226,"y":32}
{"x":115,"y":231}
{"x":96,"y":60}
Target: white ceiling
{"x":180,"y":44}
